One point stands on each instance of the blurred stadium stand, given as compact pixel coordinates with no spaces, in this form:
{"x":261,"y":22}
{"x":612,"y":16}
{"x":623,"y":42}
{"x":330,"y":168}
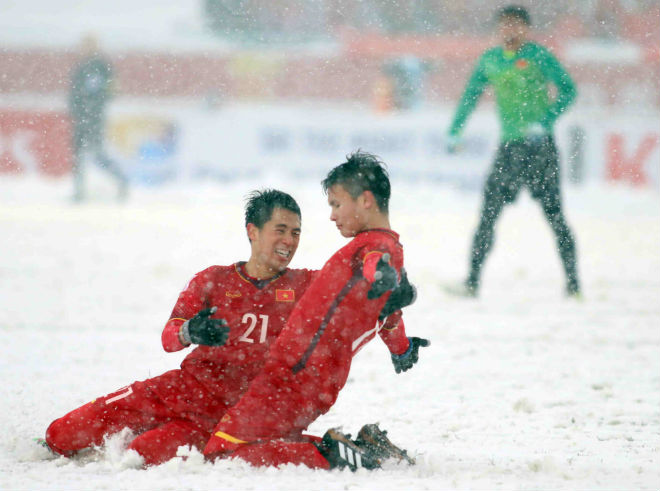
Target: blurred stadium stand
{"x":610,"y":46}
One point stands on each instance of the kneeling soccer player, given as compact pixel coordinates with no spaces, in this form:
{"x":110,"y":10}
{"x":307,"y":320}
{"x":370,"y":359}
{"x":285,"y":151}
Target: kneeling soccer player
{"x":232,"y":313}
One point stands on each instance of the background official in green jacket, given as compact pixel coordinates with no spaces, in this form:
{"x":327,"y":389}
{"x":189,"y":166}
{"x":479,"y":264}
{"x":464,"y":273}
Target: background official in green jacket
{"x":520,"y":72}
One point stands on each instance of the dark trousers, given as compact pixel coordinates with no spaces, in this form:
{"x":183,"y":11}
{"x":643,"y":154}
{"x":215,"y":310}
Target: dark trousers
{"x":533,"y":164}
{"x":88,"y":144}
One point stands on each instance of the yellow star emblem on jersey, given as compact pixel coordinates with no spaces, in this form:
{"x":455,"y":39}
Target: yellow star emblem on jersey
{"x":285,"y":295}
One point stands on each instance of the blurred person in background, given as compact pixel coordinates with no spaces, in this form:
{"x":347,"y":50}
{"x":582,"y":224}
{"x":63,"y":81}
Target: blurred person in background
{"x":91,"y":88}
{"x":407,"y":75}
{"x":520,"y":72}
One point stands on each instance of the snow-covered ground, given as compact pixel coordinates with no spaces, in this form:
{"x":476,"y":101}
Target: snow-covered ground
{"x":521,"y":388}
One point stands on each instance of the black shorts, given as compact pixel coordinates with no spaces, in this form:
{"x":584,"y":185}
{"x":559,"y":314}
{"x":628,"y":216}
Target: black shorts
{"x":530,"y":163}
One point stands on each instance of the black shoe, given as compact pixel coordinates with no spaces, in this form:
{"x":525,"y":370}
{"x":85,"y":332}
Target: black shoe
{"x":40,"y":442}
{"x":122,"y":192}
{"x":375,"y":440}
{"x":573,"y":290}
{"x":340,"y":451}
{"x":466,"y":289}
{"x":575,"y":295}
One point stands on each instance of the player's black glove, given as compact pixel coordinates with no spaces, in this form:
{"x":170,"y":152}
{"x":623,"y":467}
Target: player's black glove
{"x":409,"y":358}
{"x":201,"y":329}
{"x":385,"y":278}
{"x":403,"y":295}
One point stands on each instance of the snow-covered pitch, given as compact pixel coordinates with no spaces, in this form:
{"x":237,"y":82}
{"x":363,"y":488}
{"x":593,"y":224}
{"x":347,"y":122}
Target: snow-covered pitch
{"x":520,"y":389}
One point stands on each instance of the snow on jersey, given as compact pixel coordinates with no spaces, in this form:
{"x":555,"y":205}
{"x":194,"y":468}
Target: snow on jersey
{"x":309,"y":362}
{"x":335,"y":319}
{"x":255,"y":311}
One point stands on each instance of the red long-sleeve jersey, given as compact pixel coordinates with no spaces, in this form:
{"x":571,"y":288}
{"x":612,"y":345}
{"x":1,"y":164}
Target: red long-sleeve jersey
{"x":255,"y":311}
{"x":180,"y":407}
{"x":335,"y":318}
{"x":309,"y":362}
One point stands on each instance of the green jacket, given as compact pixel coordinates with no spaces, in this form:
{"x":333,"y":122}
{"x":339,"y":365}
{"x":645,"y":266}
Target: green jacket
{"x":520,"y":81}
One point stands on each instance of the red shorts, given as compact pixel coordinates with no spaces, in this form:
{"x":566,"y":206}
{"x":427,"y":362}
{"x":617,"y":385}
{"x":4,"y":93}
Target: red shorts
{"x":278,"y":405}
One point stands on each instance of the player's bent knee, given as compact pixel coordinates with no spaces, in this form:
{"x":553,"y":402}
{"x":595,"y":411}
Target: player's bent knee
{"x":161,"y":444}
{"x":151,"y":451}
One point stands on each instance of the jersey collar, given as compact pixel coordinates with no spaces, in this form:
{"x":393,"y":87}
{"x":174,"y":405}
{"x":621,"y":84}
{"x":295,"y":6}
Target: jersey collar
{"x":259,"y":284}
{"x":382,"y":230}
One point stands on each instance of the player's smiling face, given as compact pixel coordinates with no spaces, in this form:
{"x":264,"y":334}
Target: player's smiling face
{"x":347,"y":213}
{"x":274,"y":244}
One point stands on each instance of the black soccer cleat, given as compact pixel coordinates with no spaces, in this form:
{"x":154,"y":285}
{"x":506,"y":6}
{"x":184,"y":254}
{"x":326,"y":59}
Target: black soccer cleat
{"x":573,"y":289}
{"x":340,"y":451}
{"x":374,"y":440}
{"x":41,"y":443}
{"x":465,"y":289}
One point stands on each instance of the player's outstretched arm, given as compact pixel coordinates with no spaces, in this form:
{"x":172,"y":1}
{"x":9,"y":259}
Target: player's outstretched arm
{"x":191,"y":300}
{"x":406,"y":360}
{"x":201,"y":329}
{"x":393,"y":333}
{"x":475,"y":87}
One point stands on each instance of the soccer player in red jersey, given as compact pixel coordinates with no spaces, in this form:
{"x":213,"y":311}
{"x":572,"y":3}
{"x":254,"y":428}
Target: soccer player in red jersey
{"x":342,"y":309}
{"x":232,"y":313}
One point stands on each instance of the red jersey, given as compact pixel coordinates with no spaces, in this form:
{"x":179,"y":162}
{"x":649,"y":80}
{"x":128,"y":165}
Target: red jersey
{"x":335,"y":319}
{"x":309,"y":362}
{"x":180,"y":407}
{"x":255,"y":311}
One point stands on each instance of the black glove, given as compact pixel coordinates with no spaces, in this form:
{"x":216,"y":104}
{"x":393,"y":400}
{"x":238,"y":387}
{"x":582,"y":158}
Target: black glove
{"x":201,"y":329}
{"x":409,"y":358}
{"x":385,"y":278}
{"x":403,"y":295}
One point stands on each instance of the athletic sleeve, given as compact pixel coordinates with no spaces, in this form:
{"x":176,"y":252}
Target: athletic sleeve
{"x":370,"y":265}
{"x":473,"y":90}
{"x":191,"y":300}
{"x":566,"y":91}
{"x":170,"y":338}
{"x":393,"y":334}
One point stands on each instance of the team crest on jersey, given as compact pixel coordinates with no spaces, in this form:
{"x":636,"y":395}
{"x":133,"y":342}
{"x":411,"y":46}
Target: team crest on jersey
{"x":285,"y":295}
{"x":522,"y":63}
{"x":233,"y":294}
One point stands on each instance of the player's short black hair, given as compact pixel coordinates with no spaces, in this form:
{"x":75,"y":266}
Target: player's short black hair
{"x":259,"y":205}
{"x":361,"y":172}
{"x":515,"y":11}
